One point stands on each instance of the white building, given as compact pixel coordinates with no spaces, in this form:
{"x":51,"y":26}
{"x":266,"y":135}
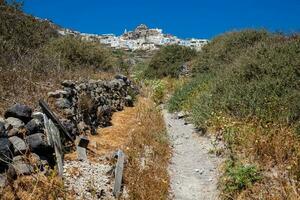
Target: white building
{"x":142,"y":38}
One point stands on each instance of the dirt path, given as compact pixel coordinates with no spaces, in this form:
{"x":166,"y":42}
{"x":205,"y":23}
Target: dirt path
{"x":193,"y":170}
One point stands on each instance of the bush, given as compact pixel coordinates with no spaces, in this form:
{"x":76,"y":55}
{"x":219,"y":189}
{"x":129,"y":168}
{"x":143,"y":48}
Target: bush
{"x":263,"y":83}
{"x":76,"y":53}
{"x":168,"y":61}
{"x":239,"y":177}
{"x":260,"y":80}
{"x":157,"y":90}
{"x":225,"y":48}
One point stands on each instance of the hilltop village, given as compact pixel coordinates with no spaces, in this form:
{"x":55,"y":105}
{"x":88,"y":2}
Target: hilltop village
{"x":142,"y":38}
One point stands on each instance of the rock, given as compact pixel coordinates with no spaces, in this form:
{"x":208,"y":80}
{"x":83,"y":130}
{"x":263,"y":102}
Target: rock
{"x":128,"y":101}
{"x":21,"y":168}
{"x":38,"y":116}
{"x":181,"y":115}
{"x":19,"y":145}
{"x":14,"y":122}
{"x":63,"y":103}
{"x":37,"y":142}
{"x":6,"y":150}
{"x":3,"y":180}
{"x":19,"y":158}
{"x":82,"y":127}
{"x":13,"y":132}
{"x":3,"y":132}
{"x":69,"y":126}
{"x":34,"y":126}
{"x":58,"y":94}
{"x":122,"y":77}
{"x":19,"y":111}
{"x":68,"y":83}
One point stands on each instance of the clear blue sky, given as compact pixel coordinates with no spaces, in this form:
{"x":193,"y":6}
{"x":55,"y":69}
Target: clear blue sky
{"x":186,"y":18}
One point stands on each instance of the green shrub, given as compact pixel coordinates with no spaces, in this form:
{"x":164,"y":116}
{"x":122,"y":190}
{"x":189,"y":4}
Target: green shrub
{"x":76,"y":53}
{"x":239,"y":177}
{"x":225,"y":48}
{"x":261,"y":80}
{"x":158,"y":90}
{"x":168,"y":61}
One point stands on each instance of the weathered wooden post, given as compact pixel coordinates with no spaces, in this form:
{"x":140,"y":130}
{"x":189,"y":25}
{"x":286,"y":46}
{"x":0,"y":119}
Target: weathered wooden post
{"x":54,"y":140}
{"x":119,"y":173}
{"x":81,"y":148}
{"x":54,"y":119}
{"x":54,"y":137}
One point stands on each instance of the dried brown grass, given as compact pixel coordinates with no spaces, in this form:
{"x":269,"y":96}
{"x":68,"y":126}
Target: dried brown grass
{"x":274,"y":148}
{"x":148,"y":152}
{"x":37,"y":186}
{"x":28,"y":85}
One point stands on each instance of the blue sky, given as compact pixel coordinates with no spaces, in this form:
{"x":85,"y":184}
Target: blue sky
{"x":186,"y":19}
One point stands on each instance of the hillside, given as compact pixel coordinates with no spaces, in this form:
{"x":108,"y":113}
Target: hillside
{"x":146,"y":115}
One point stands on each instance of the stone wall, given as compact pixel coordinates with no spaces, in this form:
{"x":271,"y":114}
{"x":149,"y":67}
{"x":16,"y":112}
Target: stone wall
{"x":82,"y":107}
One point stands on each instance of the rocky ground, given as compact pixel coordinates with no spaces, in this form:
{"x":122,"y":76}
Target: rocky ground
{"x":88,"y":180}
{"x":193,"y":169}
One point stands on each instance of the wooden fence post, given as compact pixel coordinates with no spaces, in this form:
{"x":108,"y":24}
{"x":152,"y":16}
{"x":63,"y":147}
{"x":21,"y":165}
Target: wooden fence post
{"x":118,"y":173}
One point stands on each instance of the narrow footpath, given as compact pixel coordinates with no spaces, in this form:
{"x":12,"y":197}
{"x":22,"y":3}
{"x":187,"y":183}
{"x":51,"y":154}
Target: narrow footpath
{"x":193,"y":170}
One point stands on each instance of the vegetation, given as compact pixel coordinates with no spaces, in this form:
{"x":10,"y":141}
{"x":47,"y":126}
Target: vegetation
{"x":34,"y":59}
{"x":168,"y":61}
{"x":146,"y":174}
{"x":74,"y":53}
{"x":239,"y":177}
{"x":249,"y":81}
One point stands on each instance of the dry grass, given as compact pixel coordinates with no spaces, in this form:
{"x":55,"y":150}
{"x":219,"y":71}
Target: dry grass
{"x":117,"y":136}
{"x":140,"y":132}
{"x":28,"y":85}
{"x":275,"y":149}
{"x":148,"y":152}
{"x":37,"y":186}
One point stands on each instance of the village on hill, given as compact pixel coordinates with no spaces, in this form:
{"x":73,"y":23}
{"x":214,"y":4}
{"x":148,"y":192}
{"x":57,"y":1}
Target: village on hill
{"x":142,"y":38}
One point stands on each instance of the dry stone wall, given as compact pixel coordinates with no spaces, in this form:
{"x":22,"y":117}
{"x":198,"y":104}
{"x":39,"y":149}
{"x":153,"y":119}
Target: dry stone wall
{"x":82,"y":107}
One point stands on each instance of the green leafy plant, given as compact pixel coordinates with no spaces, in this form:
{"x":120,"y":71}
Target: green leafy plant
{"x":158,"y":90}
{"x":239,"y":177}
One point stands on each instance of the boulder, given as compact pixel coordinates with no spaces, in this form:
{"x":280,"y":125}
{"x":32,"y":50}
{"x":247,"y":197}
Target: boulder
{"x":37,"y":142}
{"x":63,"y":103}
{"x":19,"y":111}
{"x":3,"y":132}
{"x":34,"y":126}
{"x":14,"y":122}
{"x":6,"y":150}
{"x":68,"y":83}
{"x":19,"y":145}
